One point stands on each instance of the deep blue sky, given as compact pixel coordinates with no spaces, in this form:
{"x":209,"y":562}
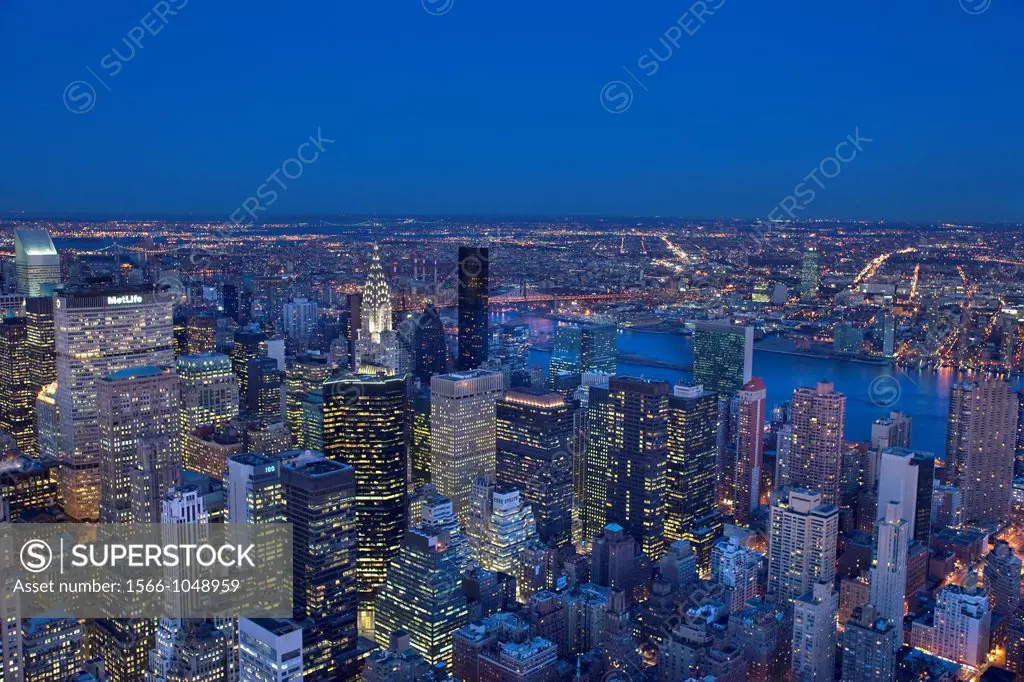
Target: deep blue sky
{"x":494,"y":107}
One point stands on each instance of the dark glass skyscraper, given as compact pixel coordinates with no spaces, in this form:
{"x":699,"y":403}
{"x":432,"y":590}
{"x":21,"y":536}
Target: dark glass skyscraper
{"x":474,"y":277}
{"x":365,"y":426}
{"x":41,"y":350}
{"x":584,"y":348}
{"x":249,"y":345}
{"x":534,"y":430}
{"x":430,"y":349}
{"x":320,"y":504}
{"x":723,"y":356}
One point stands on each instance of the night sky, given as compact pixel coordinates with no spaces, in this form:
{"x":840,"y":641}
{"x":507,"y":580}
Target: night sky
{"x":486,"y":106}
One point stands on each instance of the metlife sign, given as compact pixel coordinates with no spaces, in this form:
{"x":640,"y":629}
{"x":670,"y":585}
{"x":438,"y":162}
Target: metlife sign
{"x":148,"y":570}
{"x":126,"y":299}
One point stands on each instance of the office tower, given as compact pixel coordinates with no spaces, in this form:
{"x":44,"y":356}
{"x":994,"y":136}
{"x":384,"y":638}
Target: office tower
{"x":908,"y":477}
{"x":124,"y":646}
{"x":462,"y":432}
{"x":423,"y":596}
{"x":198,"y":651}
{"x":201,"y":334}
{"x":889,"y":574}
{"x":515,"y":345}
{"x":802,"y":545}
{"x":229,"y":297}
{"x":473,"y":293}
{"x":319,"y":499}
{"x":304,"y":374}
{"x":299,"y":317}
{"x":138,"y":412}
{"x":535,"y":659}
{"x":816,"y":448}
{"x":583,"y":348}
{"x":963,"y":623}
{"x":267,"y":437}
{"x":51,"y":648}
{"x":737,"y":569}
{"x":501,"y":527}
{"x":814,"y":633}
{"x":269,"y":650}
{"x":42,"y":353}
{"x":255,"y":491}
{"x":377,"y":343}
{"x":723,"y":356}
{"x":749,"y":408}
{"x":48,"y":425}
{"x":26,"y":485}
{"x":592,"y":479}
{"x":99,"y":331}
{"x":353,"y":315}
{"x":398,"y":662}
{"x":810,"y":276}
{"x":365,"y":426}
{"x":209,"y":391}
{"x":636,"y":429}
{"x":17,"y":394}
{"x":980,"y":445}
{"x":36,"y":262}
{"x":419,"y":445}
{"x":264,"y":398}
{"x":614,"y":559}
{"x":250,"y":344}
{"x":206,"y":450}
{"x":436,"y":511}
{"x":534,"y":433}
{"x":311,"y":435}
{"x":891,"y":432}
{"x":690,"y":470}
{"x":869,"y":645}
{"x":430,"y":347}
{"x":1002,"y":577}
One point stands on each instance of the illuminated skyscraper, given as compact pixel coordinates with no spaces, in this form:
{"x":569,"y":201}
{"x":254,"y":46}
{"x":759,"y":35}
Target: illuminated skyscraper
{"x":264,"y":398}
{"x":534,"y":432}
{"x":17,"y":394}
{"x":419,"y":443}
{"x":304,"y":374}
{"x":462,"y":432}
{"x":320,"y":504}
{"x":250,"y":344}
{"x":889,"y":574}
{"x":810,"y":276}
{"x":270,"y":650}
{"x":42,"y":352}
{"x":36,"y":262}
{"x":255,"y":491}
{"x":869,"y":647}
{"x":690,"y":471}
{"x":209,"y":391}
{"x":962,"y":623}
{"x":723,"y":356}
{"x":584,"y":348}
{"x":423,"y":595}
{"x":749,"y":410}
{"x":515,"y":345}
{"x":138,"y":412}
{"x":908,"y":476}
{"x":48,"y":424}
{"x":99,"y":331}
{"x":365,"y":426}
{"x":801,"y":545}
{"x":201,"y":334}
{"x":473,"y":294}
{"x":501,"y":527}
{"x":52,"y":647}
{"x":980,"y":444}
{"x":816,"y":447}
{"x":300,"y":319}
{"x":814,"y":633}
{"x":377,"y":343}
{"x":636,"y":426}
{"x":1002,"y":577}
{"x":124,"y":646}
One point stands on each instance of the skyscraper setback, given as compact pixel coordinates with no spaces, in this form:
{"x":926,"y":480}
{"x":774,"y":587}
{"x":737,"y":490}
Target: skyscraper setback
{"x":473,"y":295}
{"x":99,"y":331}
